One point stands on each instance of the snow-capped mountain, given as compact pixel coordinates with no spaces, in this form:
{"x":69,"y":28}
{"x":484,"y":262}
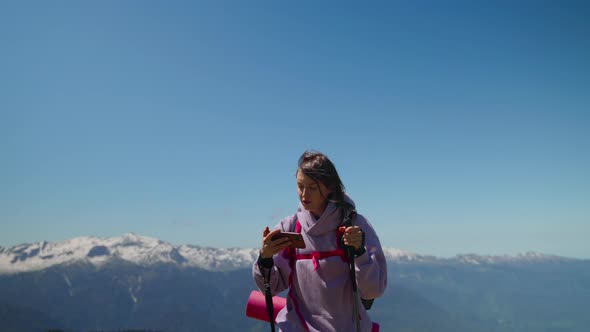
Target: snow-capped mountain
{"x":523,"y":258}
{"x":133,"y":282}
{"x":145,"y":251}
{"x":140,"y":250}
{"x":472,"y":259}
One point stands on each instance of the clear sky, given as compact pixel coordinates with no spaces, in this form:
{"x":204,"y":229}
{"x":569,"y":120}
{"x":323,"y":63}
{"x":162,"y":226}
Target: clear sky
{"x":456,"y":126}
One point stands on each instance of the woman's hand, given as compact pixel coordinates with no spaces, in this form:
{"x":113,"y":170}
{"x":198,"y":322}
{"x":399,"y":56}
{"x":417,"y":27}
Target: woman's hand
{"x":353,"y":236}
{"x":270,"y":247}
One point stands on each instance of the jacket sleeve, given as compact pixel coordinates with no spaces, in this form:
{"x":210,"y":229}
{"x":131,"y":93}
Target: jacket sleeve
{"x":279,"y":273}
{"x":371,"y":267}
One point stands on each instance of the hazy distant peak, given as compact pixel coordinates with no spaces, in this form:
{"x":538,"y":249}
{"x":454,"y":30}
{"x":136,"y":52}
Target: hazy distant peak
{"x":527,"y":257}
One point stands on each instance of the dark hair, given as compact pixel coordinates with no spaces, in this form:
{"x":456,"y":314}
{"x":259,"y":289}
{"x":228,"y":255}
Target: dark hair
{"x":318,"y":166}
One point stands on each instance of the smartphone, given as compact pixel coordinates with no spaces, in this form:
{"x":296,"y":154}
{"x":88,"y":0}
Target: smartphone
{"x":296,"y":239}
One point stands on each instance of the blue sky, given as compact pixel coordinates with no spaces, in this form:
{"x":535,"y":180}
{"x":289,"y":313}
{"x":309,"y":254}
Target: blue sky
{"x":457,"y":127}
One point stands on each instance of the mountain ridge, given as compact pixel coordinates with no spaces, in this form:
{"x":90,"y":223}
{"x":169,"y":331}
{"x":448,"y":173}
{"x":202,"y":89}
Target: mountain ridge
{"x":132,"y":283}
{"x":146,"y":251}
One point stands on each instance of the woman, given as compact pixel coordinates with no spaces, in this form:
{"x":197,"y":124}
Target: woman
{"x":320,"y":296}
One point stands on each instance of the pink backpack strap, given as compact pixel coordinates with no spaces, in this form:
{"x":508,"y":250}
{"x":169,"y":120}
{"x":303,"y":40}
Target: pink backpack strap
{"x":317,"y":255}
{"x":292,"y":259}
{"x":314,"y":256}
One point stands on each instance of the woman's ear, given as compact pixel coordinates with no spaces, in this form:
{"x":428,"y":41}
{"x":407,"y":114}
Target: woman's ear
{"x":329,"y":193}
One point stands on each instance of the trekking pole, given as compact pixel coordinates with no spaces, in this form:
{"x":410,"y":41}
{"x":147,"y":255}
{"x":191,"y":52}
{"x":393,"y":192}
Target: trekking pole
{"x":350,"y":254}
{"x":267,"y":293}
{"x":268,"y":298}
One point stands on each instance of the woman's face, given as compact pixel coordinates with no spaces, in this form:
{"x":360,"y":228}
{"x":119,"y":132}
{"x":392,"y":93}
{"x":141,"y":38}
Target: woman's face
{"x":312,"y":196}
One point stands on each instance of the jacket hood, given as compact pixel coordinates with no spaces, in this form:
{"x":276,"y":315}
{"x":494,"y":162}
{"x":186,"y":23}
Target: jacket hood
{"x":327,"y":222}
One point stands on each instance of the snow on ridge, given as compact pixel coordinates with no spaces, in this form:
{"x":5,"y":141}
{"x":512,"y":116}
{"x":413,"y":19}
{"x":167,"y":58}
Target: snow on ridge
{"x":394,"y":254}
{"x":130,"y":247}
{"x":145,"y":251}
{"x":527,"y":257}
{"x":218,"y":258}
{"x":397,"y":255}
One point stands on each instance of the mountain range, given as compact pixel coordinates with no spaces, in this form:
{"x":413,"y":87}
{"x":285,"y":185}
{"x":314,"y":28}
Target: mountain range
{"x":137,"y":282}
{"x":146,"y":251}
